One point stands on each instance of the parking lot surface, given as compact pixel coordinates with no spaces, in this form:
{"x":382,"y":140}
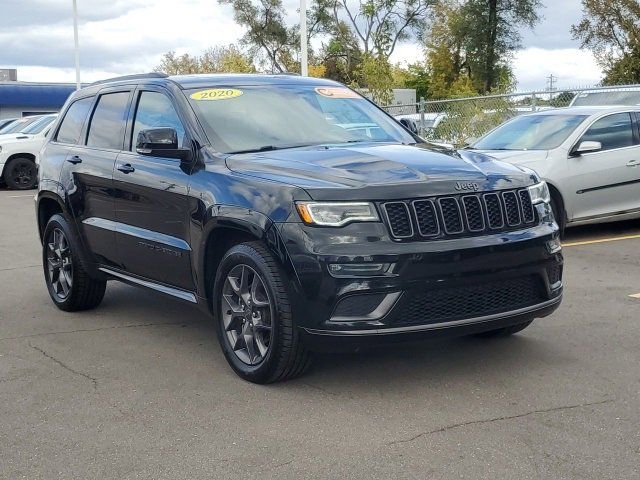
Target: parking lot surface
{"x":138,"y":388}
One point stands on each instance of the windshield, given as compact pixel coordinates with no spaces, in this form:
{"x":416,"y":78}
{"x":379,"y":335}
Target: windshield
{"x":628,"y":97}
{"x":284,"y":116}
{"x":18,"y":125}
{"x":38,"y":125}
{"x":531,"y":132}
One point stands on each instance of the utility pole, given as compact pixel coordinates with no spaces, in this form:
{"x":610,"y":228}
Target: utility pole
{"x":551,"y":82}
{"x":304,"y":71}
{"x":76,"y":45}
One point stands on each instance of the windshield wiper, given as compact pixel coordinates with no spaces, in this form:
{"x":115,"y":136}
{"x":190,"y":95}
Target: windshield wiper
{"x":269,"y":148}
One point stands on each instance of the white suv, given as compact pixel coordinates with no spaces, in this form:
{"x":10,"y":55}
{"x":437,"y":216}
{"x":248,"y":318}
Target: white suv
{"x":19,"y":153}
{"x":589,"y":156}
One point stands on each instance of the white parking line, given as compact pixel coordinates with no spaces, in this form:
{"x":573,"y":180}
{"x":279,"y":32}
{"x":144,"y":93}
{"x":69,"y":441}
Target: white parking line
{"x":635,"y":295}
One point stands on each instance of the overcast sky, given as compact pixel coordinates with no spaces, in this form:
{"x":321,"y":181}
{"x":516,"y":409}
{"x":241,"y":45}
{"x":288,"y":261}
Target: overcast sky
{"x":129,"y":36}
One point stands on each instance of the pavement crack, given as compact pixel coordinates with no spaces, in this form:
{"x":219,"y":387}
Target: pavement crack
{"x":80,"y":330}
{"x":18,"y":268}
{"x":93,"y":380}
{"x":283,"y":464}
{"x":496,"y":419}
{"x":320,"y":389}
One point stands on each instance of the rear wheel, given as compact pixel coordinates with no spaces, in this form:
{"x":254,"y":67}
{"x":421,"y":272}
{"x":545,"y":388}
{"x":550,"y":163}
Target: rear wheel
{"x":70,"y":286}
{"x":506,"y":331}
{"x":253,"y":316}
{"x":21,"y":174}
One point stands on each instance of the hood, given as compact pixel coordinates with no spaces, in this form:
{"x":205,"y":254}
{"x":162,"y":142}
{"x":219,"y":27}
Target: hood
{"x":516,"y":156}
{"x":379,"y":170}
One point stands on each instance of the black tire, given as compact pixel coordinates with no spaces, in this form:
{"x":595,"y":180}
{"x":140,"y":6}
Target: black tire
{"x":506,"y":331}
{"x":21,"y":174}
{"x":558,"y":213}
{"x":82,"y":292}
{"x":286,"y":356}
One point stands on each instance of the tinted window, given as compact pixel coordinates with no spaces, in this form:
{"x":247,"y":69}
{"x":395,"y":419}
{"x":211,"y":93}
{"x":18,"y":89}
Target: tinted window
{"x":108,"y":121}
{"x":71,"y":126}
{"x":612,"y":131}
{"x":285,"y":116}
{"x":156,"y":111}
{"x":531,"y":132}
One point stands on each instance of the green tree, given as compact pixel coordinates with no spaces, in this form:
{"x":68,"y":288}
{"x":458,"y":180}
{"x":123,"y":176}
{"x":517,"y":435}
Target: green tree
{"x":493,"y":35}
{"x":225,"y":59}
{"x":268,"y":38}
{"x":611,"y":29}
{"x":470,"y":44}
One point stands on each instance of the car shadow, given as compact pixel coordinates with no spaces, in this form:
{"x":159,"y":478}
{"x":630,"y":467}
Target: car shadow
{"x":382,"y":368}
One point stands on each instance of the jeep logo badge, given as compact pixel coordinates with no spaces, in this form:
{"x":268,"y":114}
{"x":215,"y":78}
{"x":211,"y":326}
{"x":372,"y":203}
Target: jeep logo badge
{"x":466,"y":186}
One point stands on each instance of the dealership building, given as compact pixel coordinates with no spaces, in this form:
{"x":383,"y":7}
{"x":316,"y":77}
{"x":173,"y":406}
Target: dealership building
{"x":19,"y":99}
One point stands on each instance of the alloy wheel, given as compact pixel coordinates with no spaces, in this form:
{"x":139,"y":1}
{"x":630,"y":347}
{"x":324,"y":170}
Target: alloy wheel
{"x":59,"y":265}
{"x":247,"y":314}
{"x":23,"y":175}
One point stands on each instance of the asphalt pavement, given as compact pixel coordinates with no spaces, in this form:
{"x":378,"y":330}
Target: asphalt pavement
{"x":138,"y":388}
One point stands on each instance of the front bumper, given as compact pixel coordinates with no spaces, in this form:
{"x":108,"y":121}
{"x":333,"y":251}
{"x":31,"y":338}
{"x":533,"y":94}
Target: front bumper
{"x":483,"y":281}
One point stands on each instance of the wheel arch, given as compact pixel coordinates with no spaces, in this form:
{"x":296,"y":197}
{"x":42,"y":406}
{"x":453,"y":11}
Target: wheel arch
{"x":229,"y":226}
{"x":29,"y":156}
{"x":48,"y":204}
{"x":557,"y":195}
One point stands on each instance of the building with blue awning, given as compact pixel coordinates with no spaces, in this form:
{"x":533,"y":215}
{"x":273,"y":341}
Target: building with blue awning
{"x":19,"y":99}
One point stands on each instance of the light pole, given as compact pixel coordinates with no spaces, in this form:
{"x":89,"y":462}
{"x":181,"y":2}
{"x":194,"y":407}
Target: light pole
{"x":304,"y":70}
{"x":76,"y":45}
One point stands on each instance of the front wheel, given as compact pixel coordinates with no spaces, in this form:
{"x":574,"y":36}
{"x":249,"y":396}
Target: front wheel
{"x":21,"y":174}
{"x":69,"y":284}
{"x":253,"y":316}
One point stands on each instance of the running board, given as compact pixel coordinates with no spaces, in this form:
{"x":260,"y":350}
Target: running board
{"x":174,"y":292}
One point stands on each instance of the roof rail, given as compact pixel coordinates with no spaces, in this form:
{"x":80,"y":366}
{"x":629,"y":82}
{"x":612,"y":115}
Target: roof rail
{"x":131,"y":77}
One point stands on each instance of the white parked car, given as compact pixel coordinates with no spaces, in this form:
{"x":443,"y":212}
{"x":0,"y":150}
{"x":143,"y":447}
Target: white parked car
{"x":19,"y":153}
{"x":589,"y":156}
{"x":607,"y":96}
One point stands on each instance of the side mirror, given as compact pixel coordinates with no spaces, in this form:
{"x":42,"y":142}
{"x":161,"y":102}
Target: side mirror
{"x":161,"y":142}
{"x":410,"y":125}
{"x":587,"y":146}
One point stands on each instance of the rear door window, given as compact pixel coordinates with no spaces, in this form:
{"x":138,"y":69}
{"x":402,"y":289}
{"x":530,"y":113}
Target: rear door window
{"x":612,"y":131}
{"x":108,"y":122}
{"x":71,"y":126}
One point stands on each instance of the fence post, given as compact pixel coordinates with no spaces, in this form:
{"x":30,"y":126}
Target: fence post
{"x":533,"y":102}
{"x":421,"y":129}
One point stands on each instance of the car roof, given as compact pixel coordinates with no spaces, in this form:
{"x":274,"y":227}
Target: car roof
{"x":231,"y":79}
{"x":207,"y":80}
{"x":590,"y":110}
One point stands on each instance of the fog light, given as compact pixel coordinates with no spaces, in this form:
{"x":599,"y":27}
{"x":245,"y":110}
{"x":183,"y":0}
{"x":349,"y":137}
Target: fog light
{"x":554,"y":245}
{"x":341,"y":270}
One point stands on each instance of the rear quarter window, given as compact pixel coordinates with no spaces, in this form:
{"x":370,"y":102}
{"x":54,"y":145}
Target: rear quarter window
{"x":71,"y":126}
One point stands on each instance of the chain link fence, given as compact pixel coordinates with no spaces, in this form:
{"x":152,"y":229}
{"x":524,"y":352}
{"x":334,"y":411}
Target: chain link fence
{"x":462,"y":120}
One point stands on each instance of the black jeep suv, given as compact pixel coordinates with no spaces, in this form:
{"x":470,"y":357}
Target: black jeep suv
{"x":295,"y":211}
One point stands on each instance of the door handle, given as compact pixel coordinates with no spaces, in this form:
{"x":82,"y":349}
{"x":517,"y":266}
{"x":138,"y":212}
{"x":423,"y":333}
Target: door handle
{"x":75,"y":160}
{"x":633,"y":163}
{"x":126,"y":168}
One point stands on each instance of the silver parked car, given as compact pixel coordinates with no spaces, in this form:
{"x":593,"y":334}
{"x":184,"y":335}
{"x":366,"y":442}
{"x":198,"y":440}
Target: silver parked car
{"x":589,"y":156}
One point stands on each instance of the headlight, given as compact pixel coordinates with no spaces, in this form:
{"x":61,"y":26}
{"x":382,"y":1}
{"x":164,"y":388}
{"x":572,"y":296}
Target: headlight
{"x":336,"y":214}
{"x":539,"y":193}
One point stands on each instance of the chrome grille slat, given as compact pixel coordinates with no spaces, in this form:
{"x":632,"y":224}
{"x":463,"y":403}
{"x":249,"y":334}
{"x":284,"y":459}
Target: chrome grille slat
{"x":493,"y":206}
{"x":511,"y":208}
{"x":399,"y":219}
{"x":427,"y":217}
{"x":451,"y":215}
{"x":473,"y":213}
{"x":459,"y":215}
